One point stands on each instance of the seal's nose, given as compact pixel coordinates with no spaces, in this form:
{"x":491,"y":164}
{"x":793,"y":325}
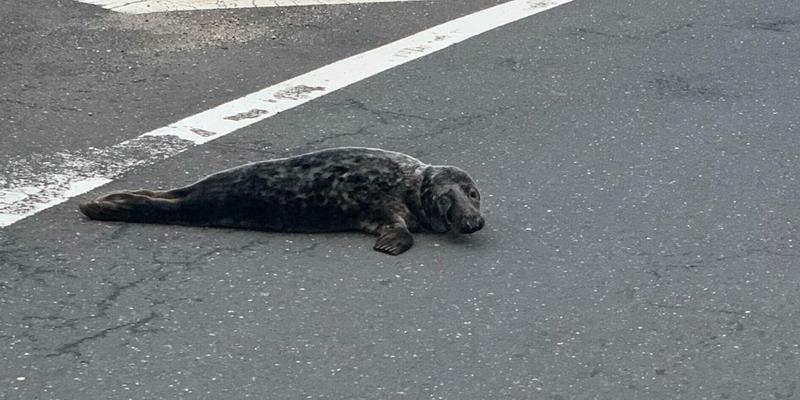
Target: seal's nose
{"x":480,"y":223}
{"x":471,"y":225}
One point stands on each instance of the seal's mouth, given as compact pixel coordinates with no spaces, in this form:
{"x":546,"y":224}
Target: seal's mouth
{"x":447,"y":220}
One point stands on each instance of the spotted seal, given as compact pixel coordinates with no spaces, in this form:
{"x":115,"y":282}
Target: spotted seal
{"x":380,"y":192}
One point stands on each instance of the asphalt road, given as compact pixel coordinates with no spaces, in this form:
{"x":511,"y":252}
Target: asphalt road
{"x":76,"y":76}
{"x":638,"y":165}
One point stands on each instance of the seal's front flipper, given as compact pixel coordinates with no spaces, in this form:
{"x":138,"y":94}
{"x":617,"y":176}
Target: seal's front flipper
{"x":394,"y":240}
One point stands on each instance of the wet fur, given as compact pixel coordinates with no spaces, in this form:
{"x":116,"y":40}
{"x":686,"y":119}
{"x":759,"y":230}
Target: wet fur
{"x":376,"y":191}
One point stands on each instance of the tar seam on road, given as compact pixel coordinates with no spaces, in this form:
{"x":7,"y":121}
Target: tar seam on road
{"x":25,"y":190}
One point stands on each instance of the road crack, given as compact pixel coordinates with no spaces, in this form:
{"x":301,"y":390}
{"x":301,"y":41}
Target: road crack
{"x":73,"y":347}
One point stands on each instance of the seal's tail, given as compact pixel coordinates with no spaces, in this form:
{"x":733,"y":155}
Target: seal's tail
{"x":132,"y":206}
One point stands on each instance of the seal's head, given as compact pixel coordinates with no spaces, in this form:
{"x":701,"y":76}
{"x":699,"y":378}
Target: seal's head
{"x":450,"y":200}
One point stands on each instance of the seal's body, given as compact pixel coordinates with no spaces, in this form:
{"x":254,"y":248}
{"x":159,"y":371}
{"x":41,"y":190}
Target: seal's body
{"x":380,"y":192}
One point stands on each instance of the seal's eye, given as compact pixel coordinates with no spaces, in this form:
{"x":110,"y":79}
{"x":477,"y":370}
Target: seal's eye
{"x":473,"y":193}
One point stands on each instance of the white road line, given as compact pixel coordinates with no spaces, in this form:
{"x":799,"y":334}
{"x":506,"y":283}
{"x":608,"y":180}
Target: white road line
{"x":152,"y":6}
{"x":37,"y":182}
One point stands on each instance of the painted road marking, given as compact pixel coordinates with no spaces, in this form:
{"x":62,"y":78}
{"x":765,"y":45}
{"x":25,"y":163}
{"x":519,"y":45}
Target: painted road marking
{"x":37,"y":182}
{"x":152,"y":6}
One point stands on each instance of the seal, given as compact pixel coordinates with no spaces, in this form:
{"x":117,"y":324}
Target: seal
{"x":380,"y":192}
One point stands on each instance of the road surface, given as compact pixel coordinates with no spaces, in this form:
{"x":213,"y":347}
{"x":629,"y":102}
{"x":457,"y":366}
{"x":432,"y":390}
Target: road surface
{"x":637,"y":162}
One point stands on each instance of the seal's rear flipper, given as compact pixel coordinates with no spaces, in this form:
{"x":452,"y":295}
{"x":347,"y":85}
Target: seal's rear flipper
{"x":138,"y":206}
{"x":394,"y":241}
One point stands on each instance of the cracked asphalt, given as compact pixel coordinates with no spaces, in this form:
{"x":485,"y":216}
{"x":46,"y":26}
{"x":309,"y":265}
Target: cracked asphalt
{"x":637,"y":163}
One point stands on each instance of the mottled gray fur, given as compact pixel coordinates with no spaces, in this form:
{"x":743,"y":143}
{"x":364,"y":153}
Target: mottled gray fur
{"x":381,"y":192}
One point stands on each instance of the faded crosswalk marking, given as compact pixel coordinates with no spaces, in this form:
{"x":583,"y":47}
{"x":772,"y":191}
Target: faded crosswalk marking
{"x":151,"y":6}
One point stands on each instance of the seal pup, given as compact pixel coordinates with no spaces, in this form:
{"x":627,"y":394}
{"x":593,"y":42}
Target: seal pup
{"x":380,"y":192}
